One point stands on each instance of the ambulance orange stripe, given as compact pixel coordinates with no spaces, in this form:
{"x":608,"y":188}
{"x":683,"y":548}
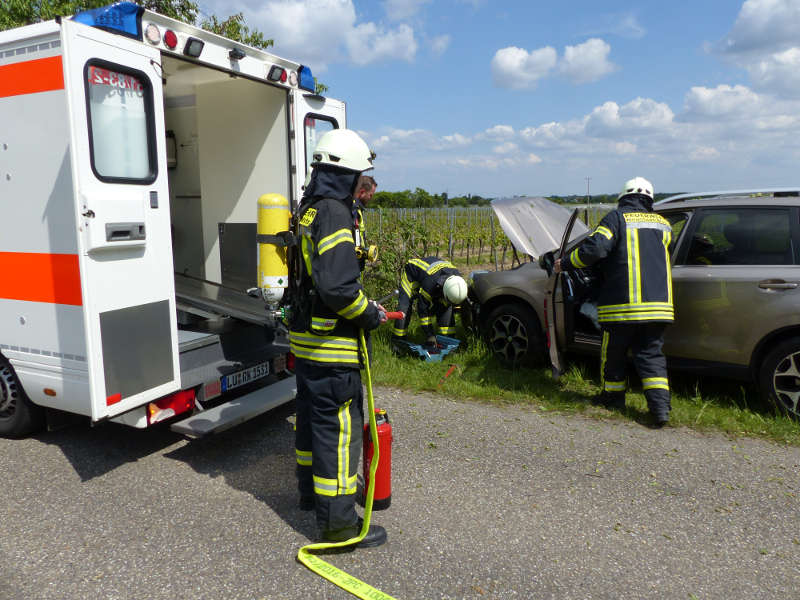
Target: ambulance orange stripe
{"x":52,"y":278}
{"x":31,"y":77}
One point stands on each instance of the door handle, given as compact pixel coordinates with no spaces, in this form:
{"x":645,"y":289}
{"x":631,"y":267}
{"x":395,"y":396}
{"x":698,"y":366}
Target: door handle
{"x":776,"y":284}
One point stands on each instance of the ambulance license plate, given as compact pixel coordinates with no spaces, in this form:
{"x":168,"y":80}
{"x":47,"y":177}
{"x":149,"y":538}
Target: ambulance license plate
{"x":245,"y":376}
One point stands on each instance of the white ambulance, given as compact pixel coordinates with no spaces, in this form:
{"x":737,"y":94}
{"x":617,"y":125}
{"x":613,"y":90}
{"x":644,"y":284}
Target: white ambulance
{"x":133,"y":152}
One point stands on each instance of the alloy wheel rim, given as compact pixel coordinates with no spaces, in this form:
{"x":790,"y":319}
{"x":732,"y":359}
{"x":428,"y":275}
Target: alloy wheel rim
{"x":509,"y":338}
{"x":786,"y":382}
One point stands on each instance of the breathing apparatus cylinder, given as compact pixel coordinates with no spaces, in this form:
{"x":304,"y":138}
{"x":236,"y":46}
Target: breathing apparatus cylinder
{"x":383,"y":476}
{"x":273,"y":272}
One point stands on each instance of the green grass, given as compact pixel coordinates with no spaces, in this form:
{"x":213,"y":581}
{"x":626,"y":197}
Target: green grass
{"x":701,"y":404}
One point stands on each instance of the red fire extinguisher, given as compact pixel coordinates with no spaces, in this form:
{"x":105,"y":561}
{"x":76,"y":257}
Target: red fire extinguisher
{"x":383,"y":475}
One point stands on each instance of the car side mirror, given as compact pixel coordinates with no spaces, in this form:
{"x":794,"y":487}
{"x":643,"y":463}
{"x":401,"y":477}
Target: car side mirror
{"x":546,"y":262}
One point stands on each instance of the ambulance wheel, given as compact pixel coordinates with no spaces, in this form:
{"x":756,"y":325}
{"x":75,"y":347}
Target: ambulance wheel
{"x":779,"y":377}
{"x":18,"y":415}
{"x":514,"y":335}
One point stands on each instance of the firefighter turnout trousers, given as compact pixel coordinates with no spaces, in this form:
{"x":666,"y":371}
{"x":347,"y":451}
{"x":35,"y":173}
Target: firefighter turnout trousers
{"x":645,"y":341}
{"x":330,"y":422}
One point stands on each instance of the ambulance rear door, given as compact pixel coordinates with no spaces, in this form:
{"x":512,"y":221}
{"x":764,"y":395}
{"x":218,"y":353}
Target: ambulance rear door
{"x":118,"y":149}
{"x":313,"y":116}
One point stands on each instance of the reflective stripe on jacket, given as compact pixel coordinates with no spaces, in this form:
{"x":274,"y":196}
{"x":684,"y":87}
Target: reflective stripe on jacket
{"x":631,"y":249}
{"x":423,"y":278}
{"x":331,"y":275}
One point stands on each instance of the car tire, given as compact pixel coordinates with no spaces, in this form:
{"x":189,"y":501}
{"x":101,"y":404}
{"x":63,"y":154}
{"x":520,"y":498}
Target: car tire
{"x":513,"y":334}
{"x":779,"y":377}
{"x":18,"y":415}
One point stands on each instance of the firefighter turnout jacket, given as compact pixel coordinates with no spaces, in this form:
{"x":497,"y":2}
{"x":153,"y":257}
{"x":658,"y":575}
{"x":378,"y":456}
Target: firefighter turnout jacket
{"x":334,"y":305}
{"x":422,"y":280}
{"x":634,"y":243}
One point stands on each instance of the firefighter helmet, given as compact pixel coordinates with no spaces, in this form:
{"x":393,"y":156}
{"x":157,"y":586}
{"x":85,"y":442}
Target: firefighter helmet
{"x":455,"y":289}
{"x":637,"y":185}
{"x":343,"y":148}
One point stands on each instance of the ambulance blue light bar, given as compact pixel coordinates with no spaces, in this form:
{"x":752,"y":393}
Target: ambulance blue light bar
{"x":123,"y":17}
{"x":306,"y":79}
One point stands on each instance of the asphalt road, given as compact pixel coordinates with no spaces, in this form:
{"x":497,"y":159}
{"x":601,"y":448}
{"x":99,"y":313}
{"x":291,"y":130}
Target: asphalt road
{"x":488,"y":502}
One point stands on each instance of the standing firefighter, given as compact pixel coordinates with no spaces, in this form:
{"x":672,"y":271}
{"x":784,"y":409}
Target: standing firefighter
{"x":437,"y":286}
{"x":631,"y":247}
{"x":324,"y":336}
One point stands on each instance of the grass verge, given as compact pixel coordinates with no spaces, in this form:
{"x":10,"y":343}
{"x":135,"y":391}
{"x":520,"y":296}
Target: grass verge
{"x":701,"y":404}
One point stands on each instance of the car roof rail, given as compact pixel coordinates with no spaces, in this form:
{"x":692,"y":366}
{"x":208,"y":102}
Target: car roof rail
{"x":754,"y":193}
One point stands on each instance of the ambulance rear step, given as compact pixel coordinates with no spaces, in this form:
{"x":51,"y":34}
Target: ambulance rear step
{"x":237,"y":411}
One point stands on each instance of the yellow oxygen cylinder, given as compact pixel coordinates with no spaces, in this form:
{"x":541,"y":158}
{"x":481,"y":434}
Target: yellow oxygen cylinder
{"x":273,"y":272}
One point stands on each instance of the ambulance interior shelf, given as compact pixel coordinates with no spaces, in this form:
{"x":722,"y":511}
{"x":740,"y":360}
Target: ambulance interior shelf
{"x":198,"y":296}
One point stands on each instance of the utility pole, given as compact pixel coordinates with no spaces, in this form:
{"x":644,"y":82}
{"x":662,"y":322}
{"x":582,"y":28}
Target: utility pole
{"x":588,"y":200}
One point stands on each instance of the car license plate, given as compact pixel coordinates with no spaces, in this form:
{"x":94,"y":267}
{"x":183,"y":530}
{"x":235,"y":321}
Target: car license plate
{"x":245,"y":376}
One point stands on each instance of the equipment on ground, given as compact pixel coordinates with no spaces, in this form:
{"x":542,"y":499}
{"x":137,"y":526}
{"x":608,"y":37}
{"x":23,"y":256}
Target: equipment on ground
{"x":383,"y":475}
{"x":444,"y":346}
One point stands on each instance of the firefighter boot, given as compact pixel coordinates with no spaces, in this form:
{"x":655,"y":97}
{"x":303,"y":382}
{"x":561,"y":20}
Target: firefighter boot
{"x":609,"y":400}
{"x":376,"y":535}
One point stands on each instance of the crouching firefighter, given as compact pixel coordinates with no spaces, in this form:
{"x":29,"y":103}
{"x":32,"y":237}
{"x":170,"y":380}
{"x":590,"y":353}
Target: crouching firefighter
{"x":436,"y":286}
{"x":631,"y":249}
{"x":330,"y":308}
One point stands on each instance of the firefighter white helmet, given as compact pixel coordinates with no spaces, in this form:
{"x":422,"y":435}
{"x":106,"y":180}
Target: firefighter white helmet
{"x":455,"y":289}
{"x":343,"y":148}
{"x":637,"y":185}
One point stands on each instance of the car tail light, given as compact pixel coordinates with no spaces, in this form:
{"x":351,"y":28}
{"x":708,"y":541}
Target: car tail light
{"x":169,"y":406}
{"x":290,"y":360}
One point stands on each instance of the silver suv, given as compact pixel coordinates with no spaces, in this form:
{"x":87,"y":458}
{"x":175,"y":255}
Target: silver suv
{"x":735,"y":272}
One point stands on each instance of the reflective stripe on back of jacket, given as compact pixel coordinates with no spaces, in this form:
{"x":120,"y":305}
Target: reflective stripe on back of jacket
{"x":631,"y":247}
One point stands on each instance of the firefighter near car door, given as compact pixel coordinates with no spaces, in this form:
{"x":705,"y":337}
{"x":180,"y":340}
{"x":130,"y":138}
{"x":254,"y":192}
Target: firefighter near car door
{"x":630,"y":247}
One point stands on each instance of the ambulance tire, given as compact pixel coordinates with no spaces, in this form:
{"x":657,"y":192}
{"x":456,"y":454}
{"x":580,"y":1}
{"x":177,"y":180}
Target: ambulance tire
{"x":18,"y":415}
{"x":514,"y":335}
{"x":779,"y":377}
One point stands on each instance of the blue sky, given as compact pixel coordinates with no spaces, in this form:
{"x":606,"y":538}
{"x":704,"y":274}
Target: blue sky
{"x":509,"y":97}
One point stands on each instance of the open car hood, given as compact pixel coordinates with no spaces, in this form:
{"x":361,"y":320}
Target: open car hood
{"x":535,"y":225}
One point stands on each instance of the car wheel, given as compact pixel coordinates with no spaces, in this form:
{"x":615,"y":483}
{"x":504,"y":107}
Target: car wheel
{"x":18,"y":415}
{"x":513,"y":333}
{"x":779,"y":377}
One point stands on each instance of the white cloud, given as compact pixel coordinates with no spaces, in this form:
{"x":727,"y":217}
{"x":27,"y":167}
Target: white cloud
{"x":640,"y":114}
{"x":516,"y":68}
{"x":321,"y":32}
{"x":505,"y":148}
{"x":764,"y":41}
{"x":439,"y":44}
{"x":499,"y":132}
{"x":398,"y":10}
{"x":532,"y":159}
{"x":779,"y":71}
{"x":456,"y":139}
{"x":630,"y":27}
{"x":704,"y":153}
{"x":587,"y":62}
{"x":722,"y":101}
{"x":371,"y":43}
{"x":624,"y":148}
{"x":764,"y":25}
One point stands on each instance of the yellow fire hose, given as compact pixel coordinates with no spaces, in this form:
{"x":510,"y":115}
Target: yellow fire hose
{"x":324,"y":569}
